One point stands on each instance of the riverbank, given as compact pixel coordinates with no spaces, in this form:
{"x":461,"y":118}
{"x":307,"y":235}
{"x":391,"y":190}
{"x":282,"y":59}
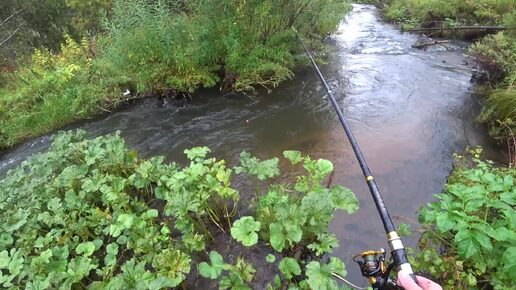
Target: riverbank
{"x":161,"y":49}
{"x":496,"y":53}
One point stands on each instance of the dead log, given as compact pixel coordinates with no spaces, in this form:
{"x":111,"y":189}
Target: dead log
{"x":427,"y":44}
{"x":493,"y":28}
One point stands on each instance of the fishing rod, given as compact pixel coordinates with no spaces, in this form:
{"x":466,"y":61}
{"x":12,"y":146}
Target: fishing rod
{"x":372,"y":263}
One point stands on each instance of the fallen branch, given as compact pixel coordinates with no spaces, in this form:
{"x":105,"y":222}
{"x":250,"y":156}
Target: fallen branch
{"x":423,"y":45}
{"x":496,"y":28}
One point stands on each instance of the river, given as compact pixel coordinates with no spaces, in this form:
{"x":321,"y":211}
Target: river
{"x":410,"y":111}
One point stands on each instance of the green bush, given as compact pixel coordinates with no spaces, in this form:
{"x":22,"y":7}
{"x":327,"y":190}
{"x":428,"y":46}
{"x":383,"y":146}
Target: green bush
{"x":466,"y":12}
{"x":91,"y":214}
{"x":497,"y":54}
{"x":469,"y":238}
{"x":52,"y":90}
{"x":181,"y":47}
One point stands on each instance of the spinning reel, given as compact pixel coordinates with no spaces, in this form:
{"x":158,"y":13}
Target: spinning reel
{"x":374,"y":267}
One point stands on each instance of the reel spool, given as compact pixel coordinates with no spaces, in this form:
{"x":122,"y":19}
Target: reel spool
{"x":374,"y":267}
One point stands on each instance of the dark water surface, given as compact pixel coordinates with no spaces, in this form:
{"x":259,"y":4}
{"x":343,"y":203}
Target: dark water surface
{"x":410,"y":110}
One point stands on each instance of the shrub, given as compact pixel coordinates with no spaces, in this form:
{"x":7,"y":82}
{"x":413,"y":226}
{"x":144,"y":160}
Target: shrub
{"x":497,"y":54}
{"x":469,"y":237}
{"x":50,"y":91}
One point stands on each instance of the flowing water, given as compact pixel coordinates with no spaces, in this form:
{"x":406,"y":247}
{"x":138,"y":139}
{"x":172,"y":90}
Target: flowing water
{"x":410,"y":111}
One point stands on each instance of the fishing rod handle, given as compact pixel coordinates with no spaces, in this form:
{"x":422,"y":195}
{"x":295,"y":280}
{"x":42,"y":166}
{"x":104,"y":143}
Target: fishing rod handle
{"x":399,"y":255}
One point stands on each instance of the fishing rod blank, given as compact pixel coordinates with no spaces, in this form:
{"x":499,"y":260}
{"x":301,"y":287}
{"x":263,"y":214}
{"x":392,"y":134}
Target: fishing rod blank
{"x":396,"y":246}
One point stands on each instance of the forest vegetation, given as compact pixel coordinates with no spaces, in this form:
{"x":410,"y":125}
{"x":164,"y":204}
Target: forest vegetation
{"x":65,"y":60}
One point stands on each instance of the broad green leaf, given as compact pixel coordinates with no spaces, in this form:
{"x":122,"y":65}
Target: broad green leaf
{"x":172,"y":264}
{"x":197,"y":152}
{"x":162,"y":282}
{"x":4,"y":259}
{"x":111,"y":254}
{"x":245,"y":230}
{"x":85,"y":248}
{"x":466,"y":244}
{"x":326,"y":243}
{"x":483,"y":240}
{"x":214,"y":270}
{"x":293,"y":156}
{"x":320,"y":276}
{"x":151,"y":213}
{"x":343,"y":198}
{"x":126,"y":220}
{"x":261,"y":169}
{"x":294,"y":233}
{"x":324,"y":167}
{"x":444,"y":222}
{"x":404,"y":230}
{"x":509,"y":260}
{"x":277,"y":238}
{"x":270,"y":258}
{"x":6,"y":239}
{"x":289,"y":267}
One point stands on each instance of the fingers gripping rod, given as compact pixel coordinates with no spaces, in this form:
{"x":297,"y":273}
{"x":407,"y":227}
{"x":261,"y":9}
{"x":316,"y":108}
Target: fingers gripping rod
{"x":396,"y":246}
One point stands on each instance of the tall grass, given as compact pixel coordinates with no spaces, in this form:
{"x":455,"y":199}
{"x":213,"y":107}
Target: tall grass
{"x":50,"y":92}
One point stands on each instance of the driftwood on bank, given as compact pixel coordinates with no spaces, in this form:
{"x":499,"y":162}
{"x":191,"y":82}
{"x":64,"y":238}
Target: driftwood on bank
{"x":492,"y":28}
{"x":426,"y":44}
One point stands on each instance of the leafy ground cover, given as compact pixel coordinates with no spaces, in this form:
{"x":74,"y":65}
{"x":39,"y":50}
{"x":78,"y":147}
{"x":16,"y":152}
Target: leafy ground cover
{"x":469,"y":233}
{"x":92,"y":214}
{"x":164,"y":47}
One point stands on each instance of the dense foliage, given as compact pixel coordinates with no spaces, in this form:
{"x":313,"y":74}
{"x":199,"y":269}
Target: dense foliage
{"x":163,"y":47}
{"x":29,"y":24}
{"x":92,"y":214}
{"x":431,"y":13}
{"x":469,"y":237}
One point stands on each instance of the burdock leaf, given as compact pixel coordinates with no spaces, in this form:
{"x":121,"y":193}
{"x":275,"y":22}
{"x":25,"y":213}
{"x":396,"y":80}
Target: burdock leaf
{"x":289,"y":267}
{"x":343,"y":198}
{"x":86,"y":248}
{"x":245,"y":230}
{"x":293,"y":156}
{"x":320,"y":276}
{"x":214,"y":270}
{"x":197,"y":152}
{"x":324,"y":167}
{"x":277,"y":238}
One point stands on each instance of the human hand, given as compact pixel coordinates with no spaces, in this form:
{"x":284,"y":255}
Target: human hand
{"x":405,"y":282}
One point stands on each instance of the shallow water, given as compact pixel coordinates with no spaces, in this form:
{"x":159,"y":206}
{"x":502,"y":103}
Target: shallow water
{"x":409,"y":109}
